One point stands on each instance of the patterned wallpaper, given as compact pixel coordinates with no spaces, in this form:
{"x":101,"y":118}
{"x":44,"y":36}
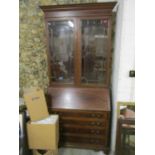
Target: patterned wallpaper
{"x":32,"y":49}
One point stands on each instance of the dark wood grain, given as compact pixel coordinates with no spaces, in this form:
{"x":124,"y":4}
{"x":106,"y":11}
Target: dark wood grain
{"x":86,"y":6}
{"x":76,"y":12}
{"x":84,"y":109}
{"x":80,"y":98}
{"x":84,"y":116}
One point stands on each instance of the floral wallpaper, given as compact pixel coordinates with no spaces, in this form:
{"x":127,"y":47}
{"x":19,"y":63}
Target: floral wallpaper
{"x":33,"y":66}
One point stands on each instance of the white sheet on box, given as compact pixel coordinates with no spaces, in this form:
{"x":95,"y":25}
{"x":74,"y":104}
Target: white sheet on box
{"x":123,"y":107}
{"x":21,"y":101}
{"x":49,"y":120}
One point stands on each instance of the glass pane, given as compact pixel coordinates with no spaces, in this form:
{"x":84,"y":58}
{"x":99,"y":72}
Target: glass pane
{"x":61,"y":42}
{"x":94,"y":50}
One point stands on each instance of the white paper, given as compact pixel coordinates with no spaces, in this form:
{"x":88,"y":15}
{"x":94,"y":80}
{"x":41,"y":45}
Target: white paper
{"x":123,"y":107}
{"x":21,"y":101}
{"x":49,"y":120}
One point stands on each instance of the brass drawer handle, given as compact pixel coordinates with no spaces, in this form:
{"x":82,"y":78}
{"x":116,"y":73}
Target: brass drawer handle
{"x":93,"y":115}
{"x":99,"y":115}
{"x":97,"y":132}
{"x":92,"y":131}
{"x":98,"y":124}
{"x":92,"y":123}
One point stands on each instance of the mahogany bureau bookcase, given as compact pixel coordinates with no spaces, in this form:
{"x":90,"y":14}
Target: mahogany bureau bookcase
{"x":79,"y":58}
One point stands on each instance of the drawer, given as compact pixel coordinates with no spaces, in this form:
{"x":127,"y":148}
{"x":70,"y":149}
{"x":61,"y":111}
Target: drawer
{"x":83,"y":145}
{"x":82,"y":127}
{"x":76,"y":130}
{"x":93,"y":114}
{"x":83,"y":122}
{"x":84,"y":135}
{"x":84,"y":140}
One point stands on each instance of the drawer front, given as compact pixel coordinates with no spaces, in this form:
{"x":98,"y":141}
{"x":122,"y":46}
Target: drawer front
{"x":89,"y":128}
{"x":83,"y":122}
{"x":76,"y":130}
{"x":78,"y":139}
{"x":96,"y":115}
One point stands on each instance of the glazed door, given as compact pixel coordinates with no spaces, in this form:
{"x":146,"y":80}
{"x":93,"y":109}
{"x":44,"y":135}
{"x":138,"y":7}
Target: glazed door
{"x":79,"y":51}
{"x":61,"y":37}
{"x":94,"y":51}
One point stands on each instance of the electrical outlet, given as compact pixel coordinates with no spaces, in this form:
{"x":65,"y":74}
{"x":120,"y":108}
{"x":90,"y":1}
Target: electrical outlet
{"x":132,"y":73}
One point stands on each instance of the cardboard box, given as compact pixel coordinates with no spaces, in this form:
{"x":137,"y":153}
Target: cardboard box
{"x":44,"y":134}
{"x":48,"y":152}
{"x":36,"y":104}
